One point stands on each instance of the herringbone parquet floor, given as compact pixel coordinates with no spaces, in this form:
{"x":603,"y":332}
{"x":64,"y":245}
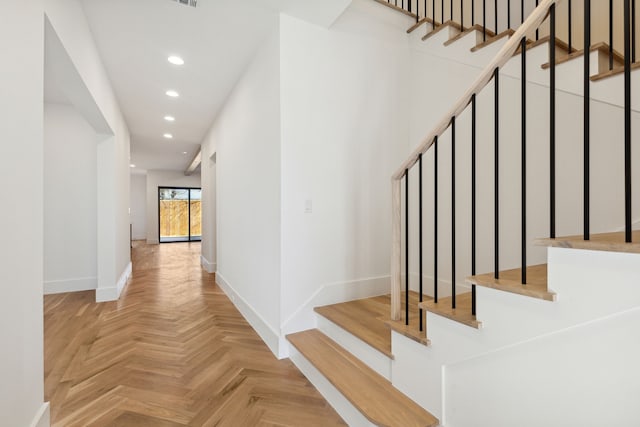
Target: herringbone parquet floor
{"x":173,"y":351}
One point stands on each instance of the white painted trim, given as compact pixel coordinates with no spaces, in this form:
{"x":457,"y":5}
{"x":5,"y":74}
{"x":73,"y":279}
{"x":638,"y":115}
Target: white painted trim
{"x":70,"y":285}
{"x":332,"y":293}
{"x":269,"y":335}
{"x":153,"y":242}
{"x":113,"y":293}
{"x":124,"y":278}
{"x":210,"y":267}
{"x":42,"y":417}
{"x":343,"y":407}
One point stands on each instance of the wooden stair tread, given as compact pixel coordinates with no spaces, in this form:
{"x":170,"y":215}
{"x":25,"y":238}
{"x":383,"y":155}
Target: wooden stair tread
{"x":492,"y":38}
{"x":419,"y":24}
{"x":614,"y":72}
{"x":461,"y":314}
{"x":510,"y":281}
{"x":447,"y":24}
{"x":375,"y":397}
{"x":547,"y":39}
{"x":474,"y":28}
{"x":362,"y":318}
{"x":612,"y":242}
{"x":397,"y":8}
{"x":601,"y":47}
{"x":412,"y":330}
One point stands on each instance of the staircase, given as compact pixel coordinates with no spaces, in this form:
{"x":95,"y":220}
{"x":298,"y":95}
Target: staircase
{"x":514,"y":264}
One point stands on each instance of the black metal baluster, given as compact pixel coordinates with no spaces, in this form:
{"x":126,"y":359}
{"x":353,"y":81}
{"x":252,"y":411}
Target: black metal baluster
{"x":451,"y":10}
{"x":521,"y":12}
{"x":495,"y":14}
{"x":552,"y":126}
{"x":420,"y":233}
{"x":627,"y":121}
{"x":611,"y":34}
{"x":523,"y":242}
{"x":484,"y":20}
{"x":453,"y":212}
{"x":569,"y":25}
{"x":587,"y":115}
{"x":633,"y":31}
{"x":508,"y":14}
{"x":442,"y":12}
{"x":406,"y":243}
{"x":473,"y":12}
{"x":435,"y":220}
{"x":462,"y":14}
{"x":433,"y":13}
{"x":537,"y":29}
{"x":496,"y":189}
{"x":473,"y":201}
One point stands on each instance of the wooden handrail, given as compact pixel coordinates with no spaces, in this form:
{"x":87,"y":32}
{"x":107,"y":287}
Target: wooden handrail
{"x":532,"y":23}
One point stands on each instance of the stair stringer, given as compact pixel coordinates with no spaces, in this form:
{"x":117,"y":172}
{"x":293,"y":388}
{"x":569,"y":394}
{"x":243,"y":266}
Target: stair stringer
{"x":591,"y":285}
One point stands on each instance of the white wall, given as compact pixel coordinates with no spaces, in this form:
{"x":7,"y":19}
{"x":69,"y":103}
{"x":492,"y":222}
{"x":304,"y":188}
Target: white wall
{"x":246,"y":139}
{"x":340,"y":132}
{"x":344,"y":129}
{"x":161,"y":178}
{"x":209,"y":229}
{"x":21,"y":259}
{"x":70,"y":217}
{"x":68,"y":21}
{"x":138,"y":204}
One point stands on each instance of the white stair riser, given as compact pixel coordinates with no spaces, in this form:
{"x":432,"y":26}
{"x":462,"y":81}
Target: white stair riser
{"x":377,"y":361}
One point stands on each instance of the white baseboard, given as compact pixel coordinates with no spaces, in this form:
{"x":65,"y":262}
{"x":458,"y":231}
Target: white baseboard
{"x":42,"y":418}
{"x":210,"y":267}
{"x":269,"y":335}
{"x":332,"y":293}
{"x":343,"y":407}
{"x":70,"y":285}
{"x":113,"y":293}
{"x":153,"y":242}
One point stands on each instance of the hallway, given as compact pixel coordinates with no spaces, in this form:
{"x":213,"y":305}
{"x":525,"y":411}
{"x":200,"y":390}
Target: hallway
{"x":173,"y":351}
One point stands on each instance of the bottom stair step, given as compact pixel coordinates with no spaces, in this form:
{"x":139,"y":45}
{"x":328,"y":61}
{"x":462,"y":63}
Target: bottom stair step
{"x":375,"y":397}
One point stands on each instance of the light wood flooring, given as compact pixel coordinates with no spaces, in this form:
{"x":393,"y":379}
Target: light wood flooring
{"x":173,"y":351}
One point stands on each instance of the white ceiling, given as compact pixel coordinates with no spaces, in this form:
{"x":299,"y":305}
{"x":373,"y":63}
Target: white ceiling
{"x":217,"y":40}
{"x":135,"y":37}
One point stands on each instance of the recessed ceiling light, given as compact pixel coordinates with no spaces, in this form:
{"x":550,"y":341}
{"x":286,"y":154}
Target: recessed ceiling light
{"x":168,"y":135}
{"x":169,"y":118}
{"x":184,"y":152}
{"x":175,"y":60}
{"x":172,"y":93}
{"x":132,"y":165}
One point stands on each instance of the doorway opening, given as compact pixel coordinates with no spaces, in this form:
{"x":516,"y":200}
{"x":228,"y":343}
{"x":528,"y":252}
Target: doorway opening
{"x":179,"y":214}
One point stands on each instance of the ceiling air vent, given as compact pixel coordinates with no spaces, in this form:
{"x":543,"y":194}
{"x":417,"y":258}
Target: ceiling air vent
{"x":191,"y":3}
